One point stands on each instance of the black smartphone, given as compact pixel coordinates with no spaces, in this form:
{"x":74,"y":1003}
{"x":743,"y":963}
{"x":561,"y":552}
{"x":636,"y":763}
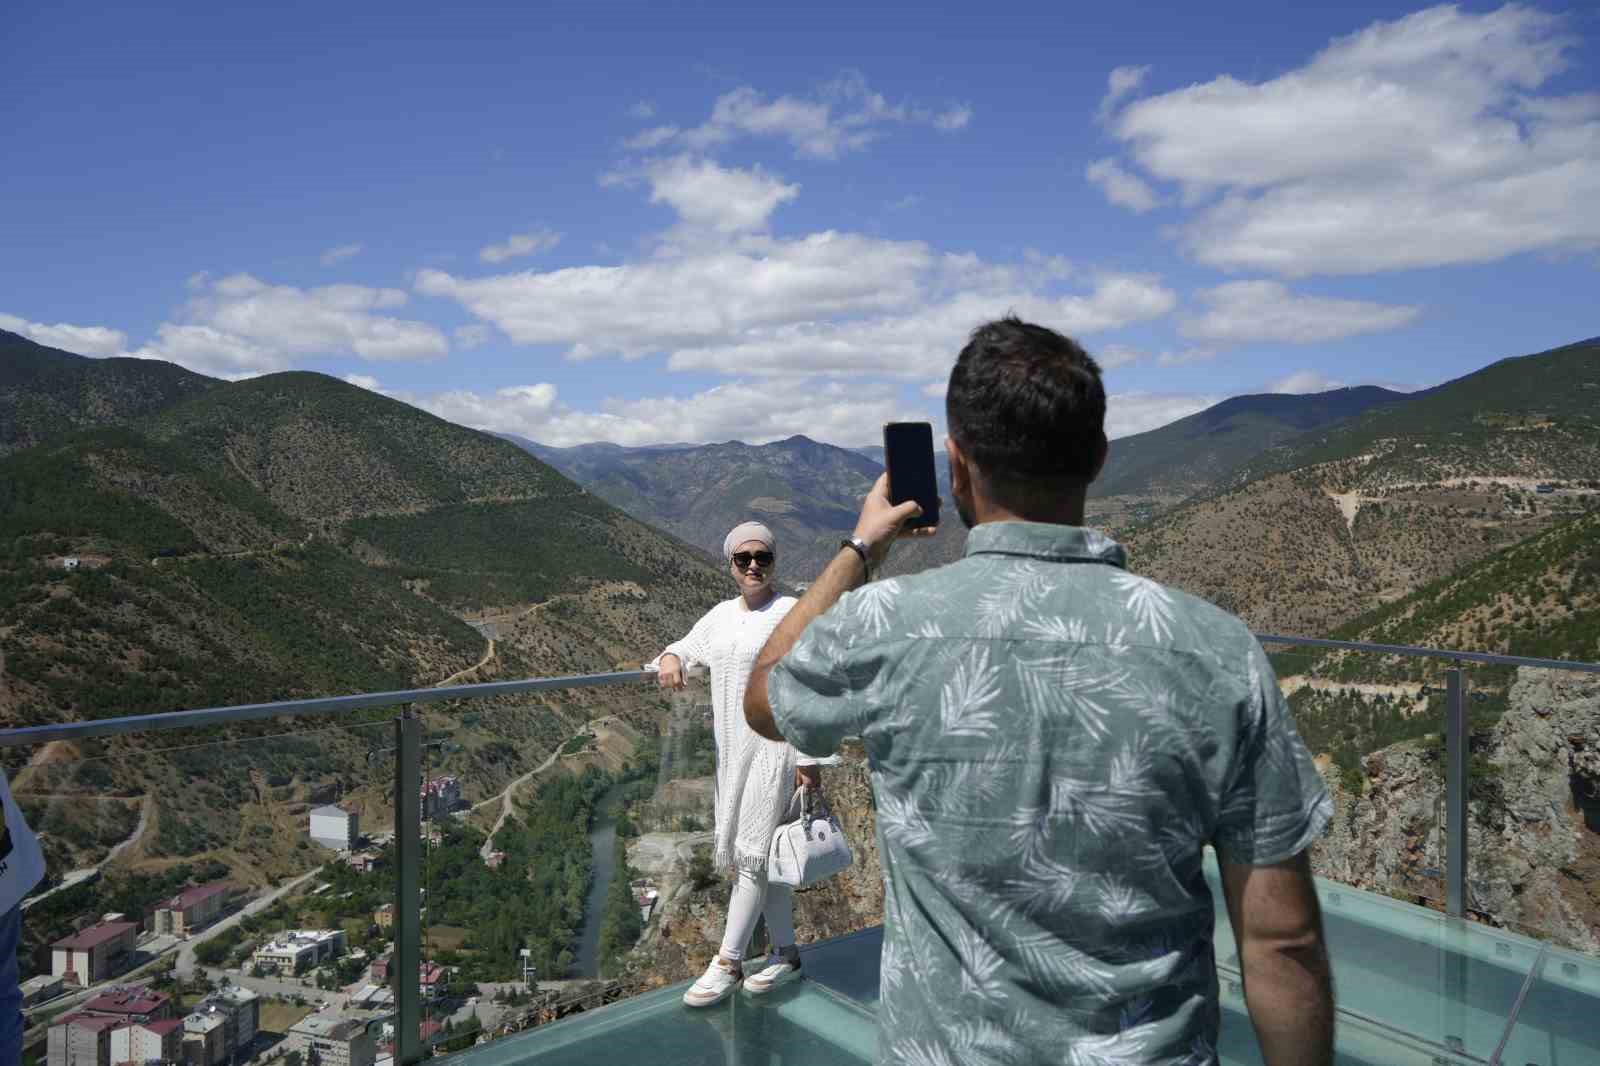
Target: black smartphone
{"x":908,"y":456}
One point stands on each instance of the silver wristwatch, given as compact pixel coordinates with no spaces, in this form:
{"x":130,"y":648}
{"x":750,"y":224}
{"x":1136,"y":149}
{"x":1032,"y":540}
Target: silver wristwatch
{"x":859,"y":546}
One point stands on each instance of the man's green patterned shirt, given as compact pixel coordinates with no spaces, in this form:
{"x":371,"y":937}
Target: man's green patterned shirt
{"x":1054,"y":740}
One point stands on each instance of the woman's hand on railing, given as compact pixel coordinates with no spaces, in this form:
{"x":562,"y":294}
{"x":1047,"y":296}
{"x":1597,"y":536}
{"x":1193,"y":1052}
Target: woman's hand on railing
{"x":670,"y":673}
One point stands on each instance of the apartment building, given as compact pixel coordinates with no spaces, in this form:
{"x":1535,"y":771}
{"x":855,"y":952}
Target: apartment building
{"x":154,"y":1041}
{"x":80,"y":1040}
{"x":332,"y":1041}
{"x":336,"y":828}
{"x":299,"y":949}
{"x":94,"y":953}
{"x":204,"y":1039}
{"x":193,"y":908}
{"x":240,"y":1011}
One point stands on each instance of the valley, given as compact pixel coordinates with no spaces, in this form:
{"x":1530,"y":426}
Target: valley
{"x":292,"y":536}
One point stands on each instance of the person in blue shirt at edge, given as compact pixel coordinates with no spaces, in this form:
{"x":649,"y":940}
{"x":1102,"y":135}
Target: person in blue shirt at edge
{"x":1054,"y":741}
{"x":21,"y":868}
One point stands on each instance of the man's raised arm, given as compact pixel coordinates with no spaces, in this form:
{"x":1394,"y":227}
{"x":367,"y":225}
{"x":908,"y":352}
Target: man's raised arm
{"x":879,"y":524}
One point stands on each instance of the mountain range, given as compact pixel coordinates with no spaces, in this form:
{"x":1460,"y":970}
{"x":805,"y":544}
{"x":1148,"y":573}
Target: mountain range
{"x":171,"y":541}
{"x":294,"y":535}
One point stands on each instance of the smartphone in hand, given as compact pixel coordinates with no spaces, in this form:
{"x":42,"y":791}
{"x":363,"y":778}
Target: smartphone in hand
{"x":908,"y":456}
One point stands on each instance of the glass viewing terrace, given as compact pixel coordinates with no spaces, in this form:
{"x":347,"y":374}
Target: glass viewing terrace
{"x":1423,"y":972}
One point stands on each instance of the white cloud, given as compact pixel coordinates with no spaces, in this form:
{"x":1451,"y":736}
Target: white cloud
{"x":845,"y":116}
{"x":654,"y":137}
{"x":1123,"y":80}
{"x":644,"y":109}
{"x":341,"y":253}
{"x":1128,"y":413}
{"x":473,"y":335}
{"x":94,"y":341}
{"x":1121,"y":187}
{"x":364,"y":381}
{"x":240,"y":326}
{"x":936,"y":389}
{"x":1186,"y":356}
{"x":700,"y":297}
{"x":749,"y":411}
{"x":924,"y":340}
{"x":1302,"y":381}
{"x":1246,"y":311}
{"x":1418,"y":142}
{"x":721,"y":199}
{"x":1114,"y":355}
{"x":519,"y":244}
{"x":955,"y":118}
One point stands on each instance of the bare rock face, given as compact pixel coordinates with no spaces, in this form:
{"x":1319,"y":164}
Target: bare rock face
{"x":853,"y":899}
{"x":689,"y":929}
{"x":1533,"y":850}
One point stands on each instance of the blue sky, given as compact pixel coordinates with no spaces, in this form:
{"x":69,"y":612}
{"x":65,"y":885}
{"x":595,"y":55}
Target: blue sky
{"x":668,"y":222}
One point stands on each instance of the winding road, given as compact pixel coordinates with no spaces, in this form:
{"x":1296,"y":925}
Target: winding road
{"x":75,"y":877}
{"x":479,"y":665}
{"x":506,"y":796}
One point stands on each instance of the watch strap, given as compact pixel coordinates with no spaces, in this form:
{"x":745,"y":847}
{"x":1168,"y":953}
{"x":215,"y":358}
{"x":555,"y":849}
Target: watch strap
{"x":859,"y":546}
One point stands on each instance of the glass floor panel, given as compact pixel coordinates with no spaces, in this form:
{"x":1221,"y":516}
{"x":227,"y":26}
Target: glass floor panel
{"x":1413,"y":989}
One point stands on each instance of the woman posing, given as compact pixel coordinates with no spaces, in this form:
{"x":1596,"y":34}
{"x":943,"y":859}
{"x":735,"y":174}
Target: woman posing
{"x":755,"y":777}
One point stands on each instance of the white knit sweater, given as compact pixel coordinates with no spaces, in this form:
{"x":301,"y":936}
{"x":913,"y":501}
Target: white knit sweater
{"x":755,"y":776}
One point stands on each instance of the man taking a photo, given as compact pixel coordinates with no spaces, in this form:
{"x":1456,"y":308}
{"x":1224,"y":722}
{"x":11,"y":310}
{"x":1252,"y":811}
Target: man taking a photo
{"x":1055,"y":740}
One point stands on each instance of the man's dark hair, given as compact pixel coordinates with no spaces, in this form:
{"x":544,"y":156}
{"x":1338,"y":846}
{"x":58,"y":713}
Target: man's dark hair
{"x":1026,"y":405}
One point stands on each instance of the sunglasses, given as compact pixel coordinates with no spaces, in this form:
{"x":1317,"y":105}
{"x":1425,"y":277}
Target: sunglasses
{"x":743,"y":559}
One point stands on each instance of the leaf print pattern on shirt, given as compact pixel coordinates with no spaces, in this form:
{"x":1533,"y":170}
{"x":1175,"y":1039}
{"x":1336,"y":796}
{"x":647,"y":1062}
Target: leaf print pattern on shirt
{"x":1054,"y":742}
{"x":980,"y":965}
{"x":1149,"y":603}
{"x":967,"y":704}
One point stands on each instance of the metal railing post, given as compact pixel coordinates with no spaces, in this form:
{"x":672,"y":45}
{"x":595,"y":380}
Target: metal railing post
{"x":1456,"y":741}
{"x":407,"y":900}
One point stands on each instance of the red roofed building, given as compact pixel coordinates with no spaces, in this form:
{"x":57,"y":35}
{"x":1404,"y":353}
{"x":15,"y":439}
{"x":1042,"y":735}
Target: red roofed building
{"x":158,"y":1041}
{"x":440,"y":796}
{"x":94,"y":953}
{"x":194,"y":908}
{"x":134,"y":1003}
{"x":433,"y":976}
{"x":81,"y":1040}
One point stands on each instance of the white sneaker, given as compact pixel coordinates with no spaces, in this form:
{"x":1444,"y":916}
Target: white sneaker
{"x":779,"y":973}
{"x":713,"y":986}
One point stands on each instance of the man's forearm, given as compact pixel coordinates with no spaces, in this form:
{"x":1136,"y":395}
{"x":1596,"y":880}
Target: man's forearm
{"x":1289,"y":992}
{"x":844,"y":573}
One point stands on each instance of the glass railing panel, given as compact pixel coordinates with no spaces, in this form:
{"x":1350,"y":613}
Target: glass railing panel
{"x":1555,"y":1024}
{"x":1375,"y":724}
{"x":184,"y":863}
{"x":535,"y":812}
{"x":1401,"y":973}
{"x":1533,"y":857}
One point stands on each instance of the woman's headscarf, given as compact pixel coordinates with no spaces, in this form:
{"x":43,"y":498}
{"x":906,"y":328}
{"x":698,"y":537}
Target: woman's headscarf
{"x":747,"y":531}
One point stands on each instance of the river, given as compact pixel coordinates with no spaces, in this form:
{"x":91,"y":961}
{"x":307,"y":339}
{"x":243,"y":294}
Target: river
{"x":602,"y":846}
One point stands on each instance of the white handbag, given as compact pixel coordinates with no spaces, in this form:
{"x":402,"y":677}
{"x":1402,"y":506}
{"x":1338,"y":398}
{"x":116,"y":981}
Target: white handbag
{"x":809,"y":849}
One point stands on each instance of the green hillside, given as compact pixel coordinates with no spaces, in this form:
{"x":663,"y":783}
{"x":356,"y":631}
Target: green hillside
{"x":1536,"y":415}
{"x":324,"y":450}
{"x":1189,"y":455}
{"x":45,"y":391}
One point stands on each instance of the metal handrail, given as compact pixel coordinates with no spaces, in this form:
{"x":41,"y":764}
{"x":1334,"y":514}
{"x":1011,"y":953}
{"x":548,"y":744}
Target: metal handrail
{"x":1432,"y":653}
{"x":249,"y":712}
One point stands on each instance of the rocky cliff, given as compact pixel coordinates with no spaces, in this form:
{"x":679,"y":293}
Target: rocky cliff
{"x":1534,"y":835}
{"x":685,"y":935}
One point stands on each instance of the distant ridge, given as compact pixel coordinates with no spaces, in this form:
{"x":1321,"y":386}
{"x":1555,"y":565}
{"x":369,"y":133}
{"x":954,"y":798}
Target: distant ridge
{"x":1189,"y":455}
{"x":46,"y":391}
